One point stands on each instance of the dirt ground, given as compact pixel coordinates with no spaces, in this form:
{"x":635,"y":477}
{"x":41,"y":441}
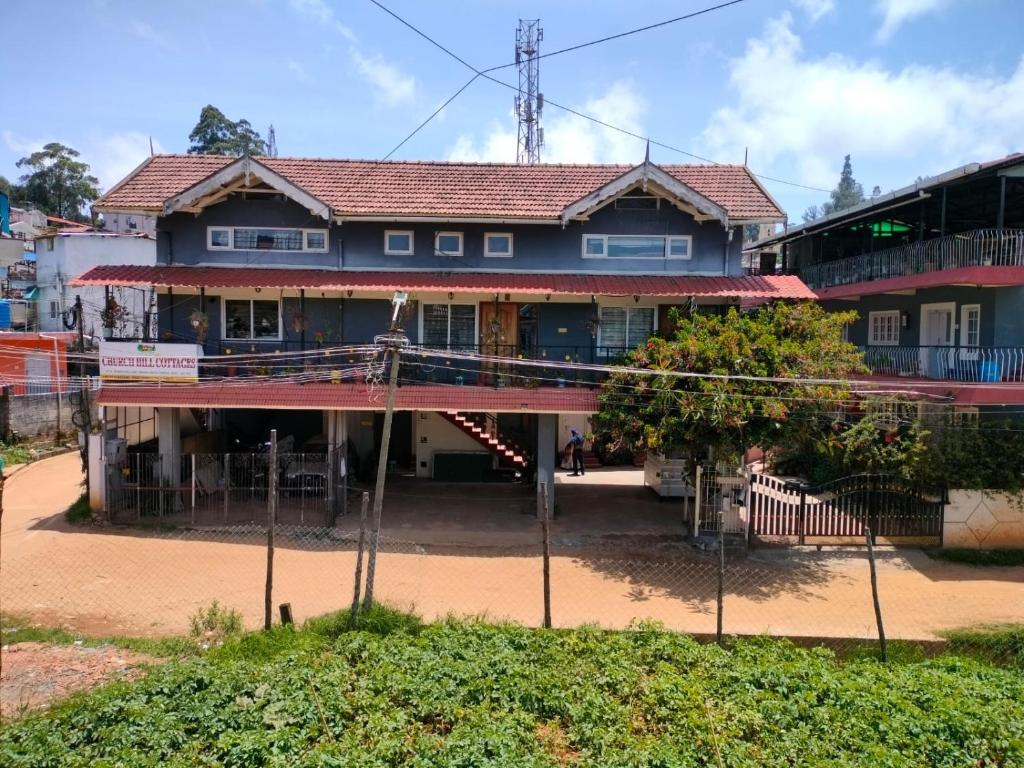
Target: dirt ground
{"x":102,"y":580}
{"x":36,"y":675}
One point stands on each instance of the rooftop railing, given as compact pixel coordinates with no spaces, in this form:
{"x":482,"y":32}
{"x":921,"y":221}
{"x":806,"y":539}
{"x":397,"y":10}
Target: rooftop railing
{"x":977,"y":248}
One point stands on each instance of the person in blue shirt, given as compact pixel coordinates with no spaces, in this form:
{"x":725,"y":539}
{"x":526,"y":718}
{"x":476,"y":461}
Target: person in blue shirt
{"x":576,"y":445}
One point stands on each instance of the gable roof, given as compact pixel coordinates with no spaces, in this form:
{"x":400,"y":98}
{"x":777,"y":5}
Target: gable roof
{"x":398,"y":188}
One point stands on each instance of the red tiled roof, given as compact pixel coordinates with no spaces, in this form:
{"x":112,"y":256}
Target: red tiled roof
{"x":403,"y":188}
{"x":418,"y":397}
{"x":962,"y":276}
{"x":751,"y":287}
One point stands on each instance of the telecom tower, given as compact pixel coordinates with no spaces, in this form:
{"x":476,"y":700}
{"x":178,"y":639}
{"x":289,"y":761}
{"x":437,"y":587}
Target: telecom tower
{"x":271,"y":142}
{"x":529,"y":102}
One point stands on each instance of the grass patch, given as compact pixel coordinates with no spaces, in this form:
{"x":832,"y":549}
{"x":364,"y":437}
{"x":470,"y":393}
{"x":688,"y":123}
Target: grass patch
{"x":980,"y":556}
{"x":997,"y":643}
{"x":15,"y":454}
{"x":79,"y":512}
{"x":17,"y":629}
{"x":399,"y":692}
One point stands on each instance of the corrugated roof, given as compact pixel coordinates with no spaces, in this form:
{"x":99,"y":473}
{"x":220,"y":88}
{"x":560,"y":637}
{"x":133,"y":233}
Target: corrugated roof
{"x":753,"y":286}
{"x":437,"y":189}
{"x":992,"y":275}
{"x":241,"y":393}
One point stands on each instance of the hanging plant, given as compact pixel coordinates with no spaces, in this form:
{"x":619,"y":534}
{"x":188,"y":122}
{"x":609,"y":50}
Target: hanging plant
{"x":111,"y":313}
{"x":200,"y":323}
{"x":298,"y":322}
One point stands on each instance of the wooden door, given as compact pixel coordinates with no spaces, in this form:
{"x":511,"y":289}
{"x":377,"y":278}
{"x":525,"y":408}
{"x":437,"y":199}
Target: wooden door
{"x":499,"y":335}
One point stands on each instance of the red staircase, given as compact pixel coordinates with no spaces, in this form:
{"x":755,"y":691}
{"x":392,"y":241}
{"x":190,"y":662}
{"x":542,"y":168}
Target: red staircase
{"x":509,"y":454}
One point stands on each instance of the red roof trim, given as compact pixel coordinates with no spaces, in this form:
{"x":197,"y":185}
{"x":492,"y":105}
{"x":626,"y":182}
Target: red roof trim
{"x":754,"y":286}
{"x":350,"y":397}
{"x":961,"y":276}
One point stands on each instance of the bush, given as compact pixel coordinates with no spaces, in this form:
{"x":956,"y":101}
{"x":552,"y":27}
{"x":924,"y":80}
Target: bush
{"x":214,"y":624}
{"x":79,"y":512}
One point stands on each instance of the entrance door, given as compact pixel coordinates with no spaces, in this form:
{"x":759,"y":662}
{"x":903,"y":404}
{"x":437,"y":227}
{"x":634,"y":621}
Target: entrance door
{"x":499,"y":336}
{"x":936,"y":333}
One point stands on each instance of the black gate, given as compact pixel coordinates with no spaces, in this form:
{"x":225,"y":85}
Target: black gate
{"x":892,"y":507}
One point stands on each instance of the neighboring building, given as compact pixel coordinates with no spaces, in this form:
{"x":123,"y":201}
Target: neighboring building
{"x":61,"y":256}
{"x":545,"y":262}
{"x":34,"y":363}
{"x":936,"y":272}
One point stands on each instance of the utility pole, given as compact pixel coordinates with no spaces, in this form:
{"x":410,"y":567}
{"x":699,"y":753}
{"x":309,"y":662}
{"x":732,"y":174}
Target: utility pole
{"x":84,"y":421}
{"x":392,"y":355}
{"x":529,"y":100}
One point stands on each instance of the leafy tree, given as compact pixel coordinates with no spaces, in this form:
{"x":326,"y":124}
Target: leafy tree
{"x":215,"y":134}
{"x":848,"y":193}
{"x":875,"y":191}
{"x":683,"y":416}
{"x":58,"y":184}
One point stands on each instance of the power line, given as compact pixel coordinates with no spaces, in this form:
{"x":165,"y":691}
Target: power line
{"x":547,"y":100}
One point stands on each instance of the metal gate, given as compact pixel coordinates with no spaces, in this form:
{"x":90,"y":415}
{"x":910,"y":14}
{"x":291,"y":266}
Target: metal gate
{"x":720,"y":499}
{"x":892,"y":507}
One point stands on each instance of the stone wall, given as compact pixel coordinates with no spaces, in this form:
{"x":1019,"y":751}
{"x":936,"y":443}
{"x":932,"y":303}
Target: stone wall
{"x":983,"y":520}
{"x":33,"y":415}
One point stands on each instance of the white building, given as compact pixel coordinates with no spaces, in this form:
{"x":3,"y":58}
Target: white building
{"x":60,"y":257}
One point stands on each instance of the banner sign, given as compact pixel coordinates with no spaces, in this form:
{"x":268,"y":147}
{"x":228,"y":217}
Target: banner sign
{"x":149,"y":361}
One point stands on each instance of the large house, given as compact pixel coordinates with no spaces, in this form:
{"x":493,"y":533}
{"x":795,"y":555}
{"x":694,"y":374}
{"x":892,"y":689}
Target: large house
{"x":935,"y":271}
{"x":298,"y":257}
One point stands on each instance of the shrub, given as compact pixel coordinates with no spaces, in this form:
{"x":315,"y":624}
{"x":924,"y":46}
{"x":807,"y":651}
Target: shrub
{"x":213,"y":624}
{"x":79,"y":512}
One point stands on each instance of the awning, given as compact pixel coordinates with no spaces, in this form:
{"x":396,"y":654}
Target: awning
{"x":242,"y":393}
{"x":752,"y":286}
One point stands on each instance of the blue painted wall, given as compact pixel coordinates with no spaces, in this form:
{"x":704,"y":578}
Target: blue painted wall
{"x":181,"y":239}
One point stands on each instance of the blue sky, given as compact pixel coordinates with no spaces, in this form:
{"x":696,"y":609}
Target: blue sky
{"x":908,"y":87}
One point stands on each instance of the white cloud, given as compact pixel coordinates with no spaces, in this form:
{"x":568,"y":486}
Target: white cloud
{"x":895,"y":12}
{"x":799,"y":115}
{"x":110,"y":157}
{"x":320,"y":12}
{"x":816,"y":9}
{"x":298,"y":71}
{"x":147,"y":34}
{"x":568,"y":138}
{"x":393,"y":86}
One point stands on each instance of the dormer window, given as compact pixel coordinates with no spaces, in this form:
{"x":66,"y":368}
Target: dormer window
{"x":498,"y":245}
{"x":448,"y":243}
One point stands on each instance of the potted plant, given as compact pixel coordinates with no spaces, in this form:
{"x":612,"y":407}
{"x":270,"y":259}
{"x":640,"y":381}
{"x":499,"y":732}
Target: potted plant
{"x":110,"y":315}
{"x":298,"y":322}
{"x":200,"y":324}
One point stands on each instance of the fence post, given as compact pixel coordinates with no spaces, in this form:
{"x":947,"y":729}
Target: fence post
{"x":546,"y":549}
{"x":874,"y":596}
{"x":697,"y":504}
{"x":193,"y":457}
{"x":271,"y":520}
{"x":721,"y":573}
{"x":227,"y":483}
{"x":802,"y":520}
{"x":353,"y":613}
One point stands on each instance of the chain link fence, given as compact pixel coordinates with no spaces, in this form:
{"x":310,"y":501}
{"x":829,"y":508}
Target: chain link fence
{"x":132,"y":580}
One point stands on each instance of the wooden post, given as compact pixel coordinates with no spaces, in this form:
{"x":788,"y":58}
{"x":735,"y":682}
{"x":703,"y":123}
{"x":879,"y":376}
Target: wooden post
{"x":546,"y":548}
{"x":382,"y":467}
{"x":721,"y":574}
{"x":357,"y":582}
{"x":271,"y":520}
{"x":227,"y":483}
{"x":286,"y":614}
{"x":874,"y":596}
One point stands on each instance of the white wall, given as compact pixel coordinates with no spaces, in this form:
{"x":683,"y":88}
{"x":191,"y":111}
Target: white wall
{"x":432,"y":433}
{"x":63,"y":257}
{"x":130,"y":223}
{"x":578,"y":421}
{"x":983,"y":520}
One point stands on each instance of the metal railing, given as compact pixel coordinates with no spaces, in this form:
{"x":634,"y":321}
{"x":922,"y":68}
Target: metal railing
{"x":952,"y":363}
{"x":976,"y":248}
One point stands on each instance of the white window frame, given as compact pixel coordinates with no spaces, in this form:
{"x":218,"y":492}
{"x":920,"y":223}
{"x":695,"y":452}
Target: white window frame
{"x":450,"y":304}
{"x":388,"y":251}
{"x":437,"y":247}
{"x":893,"y":314}
{"x":251,"y":339}
{"x":965,"y":311}
{"x":666,"y":257}
{"x":965,"y":415}
{"x":303,"y":230}
{"x":492,"y":255}
{"x":601,"y":351}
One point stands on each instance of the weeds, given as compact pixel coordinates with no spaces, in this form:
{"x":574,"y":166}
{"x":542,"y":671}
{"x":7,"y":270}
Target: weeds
{"x":214,"y":624}
{"x":79,"y":512}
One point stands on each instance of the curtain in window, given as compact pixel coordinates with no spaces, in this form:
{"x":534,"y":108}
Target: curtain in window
{"x":463,"y":326}
{"x":435,"y":325}
{"x":613,"y":327}
{"x":640,"y":326}
{"x":237,"y":319}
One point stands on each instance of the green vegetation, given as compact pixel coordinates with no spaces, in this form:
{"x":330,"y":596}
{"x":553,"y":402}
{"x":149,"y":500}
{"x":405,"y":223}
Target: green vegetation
{"x":18,"y":629}
{"x":980,"y":556}
{"x":15,"y":454}
{"x":79,"y":512}
{"x":998,"y":643}
{"x":397,"y":692}
{"x":215,"y":623}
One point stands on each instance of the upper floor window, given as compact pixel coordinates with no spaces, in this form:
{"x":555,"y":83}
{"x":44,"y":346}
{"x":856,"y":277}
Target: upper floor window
{"x":623,"y":328}
{"x":251,"y":319}
{"x":636,"y":247}
{"x":398,"y":242}
{"x":449,"y":326}
{"x":262,"y":239}
{"x":884,"y":328}
{"x":498,"y":244}
{"x":970,"y":325}
{"x":448,"y":243}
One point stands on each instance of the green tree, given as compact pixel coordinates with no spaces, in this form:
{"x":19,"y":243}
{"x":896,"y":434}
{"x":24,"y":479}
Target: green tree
{"x":216,"y":134}
{"x":58,"y":183}
{"x":848,"y":193}
{"x":683,"y":416}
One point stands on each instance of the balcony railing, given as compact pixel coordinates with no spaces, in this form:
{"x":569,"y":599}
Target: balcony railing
{"x":977,"y":248}
{"x":981,"y":364}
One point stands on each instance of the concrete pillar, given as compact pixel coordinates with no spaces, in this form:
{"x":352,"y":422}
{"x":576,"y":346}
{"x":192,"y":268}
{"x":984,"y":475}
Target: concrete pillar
{"x":547,"y":431}
{"x":169,"y":442}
